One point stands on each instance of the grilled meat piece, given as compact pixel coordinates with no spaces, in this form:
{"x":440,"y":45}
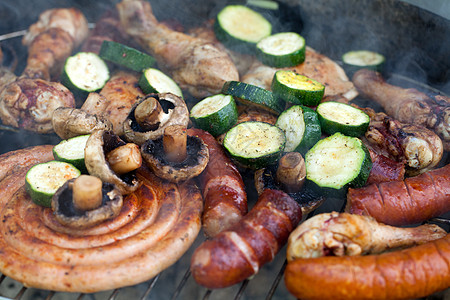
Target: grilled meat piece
{"x":195,"y":64}
{"x":52,"y":39}
{"x":340,"y":234}
{"x":419,"y":148}
{"x":29,"y":103}
{"x":315,"y":66}
{"x":115,"y":100}
{"x":407,"y":105}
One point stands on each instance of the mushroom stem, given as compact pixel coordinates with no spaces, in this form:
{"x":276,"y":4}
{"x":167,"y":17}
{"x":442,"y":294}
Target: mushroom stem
{"x":175,"y":143}
{"x":87,"y":192}
{"x":125,"y":158}
{"x":291,"y":172}
{"x":148,"y":114}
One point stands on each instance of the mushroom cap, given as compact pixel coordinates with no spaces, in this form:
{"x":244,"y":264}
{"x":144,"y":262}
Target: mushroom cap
{"x":70,"y":122}
{"x":68,"y":215}
{"x":196,"y":160}
{"x":99,"y":143}
{"x":175,"y":113}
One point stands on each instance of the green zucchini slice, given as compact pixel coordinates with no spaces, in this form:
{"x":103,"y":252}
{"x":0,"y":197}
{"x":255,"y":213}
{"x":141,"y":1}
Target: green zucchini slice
{"x":85,"y":72}
{"x":215,"y":114}
{"x":296,"y":88}
{"x":72,"y":151}
{"x":125,"y":56}
{"x":358,"y":59}
{"x":255,"y":144}
{"x":284,"y":49}
{"x":239,"y":28}
{"x":301,"y":127}
{"x":249,"y":94}
{"x":337,"y":162}
{"x":43,"y":180}
{"x":339,"y":117}
{"x":154,"y":81}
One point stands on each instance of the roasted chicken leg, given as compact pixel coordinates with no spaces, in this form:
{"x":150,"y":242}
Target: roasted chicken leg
{"x":195,"y":64}
{"x":407,"y":105}
{"x":51,"y":40}
{"x":341,"y":234}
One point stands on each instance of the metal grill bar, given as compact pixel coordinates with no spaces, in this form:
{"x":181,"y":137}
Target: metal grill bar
{"x":181,"y":284}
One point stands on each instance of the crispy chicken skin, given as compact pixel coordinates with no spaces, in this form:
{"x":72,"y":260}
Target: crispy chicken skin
{"x":419,"y":148}
{"x":195,"y":64}
{"x":52,"y":39}
{"x":315,"y":66}
{"x":407,"y":105}
{"x":29,"y":103}
{"x":339,"y":234}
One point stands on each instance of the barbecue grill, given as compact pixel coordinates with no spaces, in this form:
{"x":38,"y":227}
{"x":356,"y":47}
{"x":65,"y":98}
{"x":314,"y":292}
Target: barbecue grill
{"x":415,"y":41}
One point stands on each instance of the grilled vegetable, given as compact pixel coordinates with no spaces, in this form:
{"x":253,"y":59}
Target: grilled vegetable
{"x":255,"y":144}
{"x":359,"y":59}
{"x":296,"y":88}
{"x":155,"y":81}
{"x":301,"y":127}
{"x":85,"y":72}
{"x":125,"y":56}
{"x":43,"y":180}
{"x":339,"y":117}
{"x":240,"y":28}
{"x":253,"y":95}
{"x":284,"y":49}
{"x":215,"y":114}
{"x":337,"y":162}
{"x":72,"y":151}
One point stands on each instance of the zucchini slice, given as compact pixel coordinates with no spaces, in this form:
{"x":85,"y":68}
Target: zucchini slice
{"x":301,"y":127}
{"x":249,"y":94}
{"x":337,"y":162}
{"x":284,"y":49}
{"x":296,"y":88}
{"x":255,"y":144}
{"x":239,"y":28}
{"x":125,"y":56}
{"x":43,"y":180}
{"x":339,"y":117}
{"x":154,"y":81}
{"x":215,"y":114}
{"x":85,"y":72}
{"x":358,"y":59}
{"x":72,"y":151}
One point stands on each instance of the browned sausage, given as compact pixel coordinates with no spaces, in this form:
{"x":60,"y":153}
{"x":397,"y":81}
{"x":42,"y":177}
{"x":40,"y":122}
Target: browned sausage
{"x":235,"y":254}
{"x":413,"y":200}
{"x":222,"y":186}
{"x":406,"y":274}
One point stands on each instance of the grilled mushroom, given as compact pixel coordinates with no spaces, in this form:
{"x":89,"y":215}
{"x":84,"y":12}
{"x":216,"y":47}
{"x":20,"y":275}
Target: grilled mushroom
{"x":112,"y":160}
{"x":152,"y":114}
{"x":175,"y":156}
{"x":85,"y":201}
{"x":290,"y":176}
{"x":71,"y":122}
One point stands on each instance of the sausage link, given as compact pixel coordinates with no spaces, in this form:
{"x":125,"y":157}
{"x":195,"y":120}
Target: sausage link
{"x":407,"y":274}
{"x":411,"y":201}
{"x":237,"y":253}
{"x":223,"y":188}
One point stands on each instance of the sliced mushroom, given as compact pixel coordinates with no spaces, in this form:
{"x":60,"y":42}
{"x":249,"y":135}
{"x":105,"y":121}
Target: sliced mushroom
{"x":291,"y":171}
{"x":71,"y":122}
{"x":98,"y":146}
{"x":152,"y":114}
{"x":85,"y":201}
{"x":175,"y":156}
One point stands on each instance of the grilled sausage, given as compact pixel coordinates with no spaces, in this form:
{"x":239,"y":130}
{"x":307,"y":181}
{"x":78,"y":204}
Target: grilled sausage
{"x":222,"y":186}
{"x":237,"y":253}
{"x":406,"y":202}
{"x":406,"y":274}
